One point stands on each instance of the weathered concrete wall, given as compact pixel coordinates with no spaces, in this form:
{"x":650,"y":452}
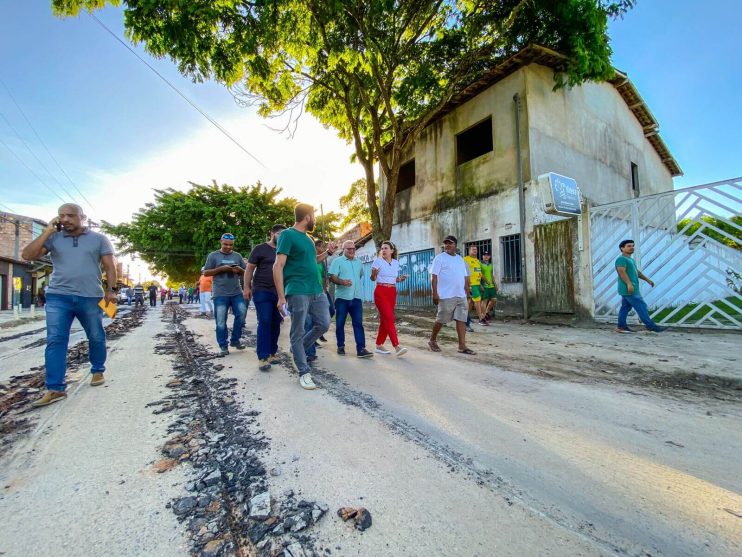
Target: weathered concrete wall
{"x":439,"y":183}
{"x":589,"y":134}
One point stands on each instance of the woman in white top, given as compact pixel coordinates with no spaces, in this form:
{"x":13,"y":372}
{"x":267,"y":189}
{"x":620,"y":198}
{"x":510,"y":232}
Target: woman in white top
{"x":385,"y":271}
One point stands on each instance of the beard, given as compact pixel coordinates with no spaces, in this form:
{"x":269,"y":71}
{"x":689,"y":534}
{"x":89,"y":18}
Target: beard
{"x":310,"y":225}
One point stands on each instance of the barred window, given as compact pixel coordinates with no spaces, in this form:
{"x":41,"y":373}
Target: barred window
{"x":510,"y":267}
{"x":483,"y":246}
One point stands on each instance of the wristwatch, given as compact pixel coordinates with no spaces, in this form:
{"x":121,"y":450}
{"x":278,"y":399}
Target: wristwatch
{"x":113,"y":288}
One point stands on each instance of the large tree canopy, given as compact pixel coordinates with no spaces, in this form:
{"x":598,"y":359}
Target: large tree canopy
{"x":176,"y":232}
{"x":374,"y":70}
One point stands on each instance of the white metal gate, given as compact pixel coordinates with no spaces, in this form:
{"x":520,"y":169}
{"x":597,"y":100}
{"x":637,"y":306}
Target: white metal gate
{"x":688,"y":241}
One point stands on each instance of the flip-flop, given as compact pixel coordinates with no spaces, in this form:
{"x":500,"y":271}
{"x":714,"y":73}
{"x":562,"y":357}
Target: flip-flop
{"x":467,"y":351}
{"x":433,"y":346}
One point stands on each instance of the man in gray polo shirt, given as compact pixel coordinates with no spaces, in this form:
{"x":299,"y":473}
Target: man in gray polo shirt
{"x":227,"y":266}
{"x":74,"y":291}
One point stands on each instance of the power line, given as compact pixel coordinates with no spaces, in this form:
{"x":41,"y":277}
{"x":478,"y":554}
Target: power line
{"x":34,"y":155}
{"x":32,"y":172}
{"x":44,"y":145}
{"x":174,"y":88}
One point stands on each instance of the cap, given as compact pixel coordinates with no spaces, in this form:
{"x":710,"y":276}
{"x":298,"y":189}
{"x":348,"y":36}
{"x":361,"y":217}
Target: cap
{"x":227,"y":236}
{"x":485,"y":253}
{"x":451,"y":239}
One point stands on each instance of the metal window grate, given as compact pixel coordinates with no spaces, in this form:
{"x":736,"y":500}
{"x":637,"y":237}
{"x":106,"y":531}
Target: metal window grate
{"x":510,"y":258}
{"x":483,"y":246}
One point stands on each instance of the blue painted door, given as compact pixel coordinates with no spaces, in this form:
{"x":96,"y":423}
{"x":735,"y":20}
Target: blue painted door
{"x":416,"y":290}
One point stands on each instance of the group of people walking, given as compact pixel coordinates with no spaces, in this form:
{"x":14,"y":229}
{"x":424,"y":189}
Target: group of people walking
{"x":285,"y":277}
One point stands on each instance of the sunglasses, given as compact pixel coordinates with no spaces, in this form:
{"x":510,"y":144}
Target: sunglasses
{"x":227,"y":236}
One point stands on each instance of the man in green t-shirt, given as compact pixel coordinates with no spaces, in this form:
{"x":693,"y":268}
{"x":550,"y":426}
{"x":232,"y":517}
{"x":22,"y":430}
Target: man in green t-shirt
{"x":628,"y":289}
{"x":299,"y":291}
{"x":489,"y":292}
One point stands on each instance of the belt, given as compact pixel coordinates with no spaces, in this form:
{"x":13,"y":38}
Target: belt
{"x":388,"y":285}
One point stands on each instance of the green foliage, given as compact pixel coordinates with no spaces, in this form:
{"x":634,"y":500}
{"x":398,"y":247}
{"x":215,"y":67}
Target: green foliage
{"x":326,"y":226}
{"x":176,"y":232}
{"x":355,"y":204}
{"x":375,"y":70}
{"x":712,"y":227}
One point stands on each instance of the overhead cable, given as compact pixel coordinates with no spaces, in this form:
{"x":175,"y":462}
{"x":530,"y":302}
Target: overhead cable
{"x":174,"y":88}
{"x":33,"y":172}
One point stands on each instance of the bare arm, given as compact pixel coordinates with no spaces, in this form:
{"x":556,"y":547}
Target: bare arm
{"x":278,"y":278}
{"x":109,"y":266}
{"x":218,"y":271}
{"x":374,"y":273}
{"x":249,"y":272}
{"x":434,"y":285}
{"x":36,"y":249}
{"x":645,"y":278}
{"x":467,"y":286}
{"x":331,"y":248}
{"x":625,"y":277}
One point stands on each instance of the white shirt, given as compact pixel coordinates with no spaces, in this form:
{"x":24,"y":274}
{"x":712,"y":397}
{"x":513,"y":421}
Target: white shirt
{"x":388,"y":272}
{"x":451,"y":271}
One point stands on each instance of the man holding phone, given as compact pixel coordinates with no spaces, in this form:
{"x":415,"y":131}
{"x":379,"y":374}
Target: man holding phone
{"x":227,"y":266}
{"x":75,"y":289}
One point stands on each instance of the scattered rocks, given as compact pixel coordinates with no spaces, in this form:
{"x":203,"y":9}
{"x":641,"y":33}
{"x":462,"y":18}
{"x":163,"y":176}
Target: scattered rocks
{"x":260,"y":506}
{"x":361,"y":517}
{"x":212,"y":548}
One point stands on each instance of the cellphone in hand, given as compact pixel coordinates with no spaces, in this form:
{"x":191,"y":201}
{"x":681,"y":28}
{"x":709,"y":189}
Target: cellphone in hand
{"x":58,"y":226}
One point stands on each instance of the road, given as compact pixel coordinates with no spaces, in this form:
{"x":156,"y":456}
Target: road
{"x":452,"y":455}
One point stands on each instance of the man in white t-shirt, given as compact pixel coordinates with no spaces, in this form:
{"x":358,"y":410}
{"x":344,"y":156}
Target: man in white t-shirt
{"x":450,"y":281}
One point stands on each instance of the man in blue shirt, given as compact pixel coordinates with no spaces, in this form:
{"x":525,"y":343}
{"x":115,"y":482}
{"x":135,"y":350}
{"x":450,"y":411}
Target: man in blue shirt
{"x":628,"y":289}
{"x":75,"y":290}
{"x":347,"y":273}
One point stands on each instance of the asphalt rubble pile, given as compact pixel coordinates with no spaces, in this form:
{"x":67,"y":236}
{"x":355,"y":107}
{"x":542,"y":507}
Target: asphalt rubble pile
{"x":17,"y":393}
{"x":228,"y":508}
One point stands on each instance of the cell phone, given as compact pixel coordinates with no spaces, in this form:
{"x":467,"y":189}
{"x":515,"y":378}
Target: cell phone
{"x":58,"y":226}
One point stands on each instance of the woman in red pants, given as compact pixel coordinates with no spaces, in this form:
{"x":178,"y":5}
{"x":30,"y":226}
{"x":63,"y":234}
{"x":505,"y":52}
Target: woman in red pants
{"x":385,"y":271}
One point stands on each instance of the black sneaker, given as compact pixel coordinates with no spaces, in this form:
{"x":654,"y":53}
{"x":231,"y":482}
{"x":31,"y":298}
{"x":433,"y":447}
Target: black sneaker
{"x":341,"y":350}
{"x":238,"y":345}
{"x":224,"y":352}
{"x":323,"y":339}
{"x":311,"y":359}
{"x":365,"y":354}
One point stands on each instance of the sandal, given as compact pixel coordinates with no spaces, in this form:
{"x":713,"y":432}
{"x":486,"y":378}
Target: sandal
{"x":434,"y":346}
{"x":467,"y":351}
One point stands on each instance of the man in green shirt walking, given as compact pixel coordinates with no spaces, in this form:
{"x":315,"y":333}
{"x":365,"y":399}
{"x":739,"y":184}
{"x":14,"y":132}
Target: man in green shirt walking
{"x":299,"y":291}
{"x":628,"y":289}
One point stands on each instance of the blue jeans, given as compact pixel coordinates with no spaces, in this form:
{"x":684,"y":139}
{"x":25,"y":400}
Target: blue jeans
{"x":269,"y":322}
{"x":239,"y":308}
{"x":300,"y":306}
{"x":638,"y":304}
{"x":353,"y":307}
{"x":308,"y":325}
{"x":61,"y":310}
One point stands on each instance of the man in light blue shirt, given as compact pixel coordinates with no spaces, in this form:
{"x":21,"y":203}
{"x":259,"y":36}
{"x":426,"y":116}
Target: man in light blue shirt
{"x":346,"y":272}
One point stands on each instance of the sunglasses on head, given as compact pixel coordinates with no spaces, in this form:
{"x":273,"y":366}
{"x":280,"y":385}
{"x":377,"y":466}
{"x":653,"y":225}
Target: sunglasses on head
{"x":227,"y":236}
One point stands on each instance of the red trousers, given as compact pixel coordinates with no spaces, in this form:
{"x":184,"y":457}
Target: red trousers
{"x":385,"y":298}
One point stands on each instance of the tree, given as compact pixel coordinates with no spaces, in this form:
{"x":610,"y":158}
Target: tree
{"x":326,"y":226}
{"x":377,"y":71}
{"x":727,"y":233}
{"x":355,"y":205}
{"x":176,"y":232}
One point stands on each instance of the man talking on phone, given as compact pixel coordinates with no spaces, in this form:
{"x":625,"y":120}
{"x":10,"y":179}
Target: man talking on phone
{"x":227,"y":266}
{"x":75,"y":289}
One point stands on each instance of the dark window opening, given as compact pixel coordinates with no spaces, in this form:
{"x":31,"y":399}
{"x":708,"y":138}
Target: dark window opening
{"x":406,"y":176}
{"x":510,"y":258}
{"x":483,"y":246}
{"x":474,"y":142}
{"x":635,"y":179}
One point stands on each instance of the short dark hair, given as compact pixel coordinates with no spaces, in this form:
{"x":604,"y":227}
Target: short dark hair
{"x":276,"y":227}
{"x":301,"y":211}
{"x":624,"y":242}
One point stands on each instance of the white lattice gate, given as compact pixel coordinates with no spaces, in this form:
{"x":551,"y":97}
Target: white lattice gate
{"x":688,"y":241}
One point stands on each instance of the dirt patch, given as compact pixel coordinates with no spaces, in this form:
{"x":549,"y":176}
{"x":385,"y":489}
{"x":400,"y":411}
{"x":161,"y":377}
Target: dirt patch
{"x":23,"y":334}
{"x":229,"y":509}
{"x":17,"y":394}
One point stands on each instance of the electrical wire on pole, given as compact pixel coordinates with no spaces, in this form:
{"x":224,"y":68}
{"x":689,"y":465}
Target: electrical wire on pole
{"x":174,"y":88}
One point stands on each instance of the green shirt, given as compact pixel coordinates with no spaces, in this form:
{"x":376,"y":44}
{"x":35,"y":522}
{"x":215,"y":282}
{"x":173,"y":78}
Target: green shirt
{"x":348,"y":269}
{"x":631,"y":271}
{"x":487,"y":271}
{"x":299,"y":273}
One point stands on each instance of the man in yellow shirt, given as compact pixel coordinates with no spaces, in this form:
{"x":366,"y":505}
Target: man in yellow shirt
{"x":475,"y":281}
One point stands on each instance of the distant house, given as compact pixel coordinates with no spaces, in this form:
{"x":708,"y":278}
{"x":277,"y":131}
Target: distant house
{"x":20,"y":280}
{"x":462,"y":175}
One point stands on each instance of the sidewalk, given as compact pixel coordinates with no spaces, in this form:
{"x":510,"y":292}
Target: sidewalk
{"x":8,"y":318}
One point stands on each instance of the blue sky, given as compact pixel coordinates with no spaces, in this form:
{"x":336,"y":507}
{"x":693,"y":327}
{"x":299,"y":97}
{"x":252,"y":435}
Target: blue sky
{"x":118,"y":130}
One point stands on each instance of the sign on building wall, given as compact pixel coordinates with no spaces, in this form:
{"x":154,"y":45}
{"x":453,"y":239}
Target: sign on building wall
{"x":561,"y":194}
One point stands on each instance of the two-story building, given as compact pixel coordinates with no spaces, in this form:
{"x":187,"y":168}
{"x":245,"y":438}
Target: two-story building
{"x":462,"y":176}
{"x":20,"y":280}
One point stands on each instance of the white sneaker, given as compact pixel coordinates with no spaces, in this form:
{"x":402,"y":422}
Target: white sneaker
{"x":306,"y":382}
{"x":381,"y":350}
{"x":400,"y":351}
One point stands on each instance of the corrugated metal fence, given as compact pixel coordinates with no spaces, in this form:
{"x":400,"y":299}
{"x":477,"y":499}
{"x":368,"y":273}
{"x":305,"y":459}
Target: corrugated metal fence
{"x":416,"y":290}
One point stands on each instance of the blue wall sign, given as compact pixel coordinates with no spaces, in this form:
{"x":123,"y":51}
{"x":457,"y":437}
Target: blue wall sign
{"x":565,"y":195}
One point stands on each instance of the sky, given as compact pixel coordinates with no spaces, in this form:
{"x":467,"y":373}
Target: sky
{"x":119,"y":131}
